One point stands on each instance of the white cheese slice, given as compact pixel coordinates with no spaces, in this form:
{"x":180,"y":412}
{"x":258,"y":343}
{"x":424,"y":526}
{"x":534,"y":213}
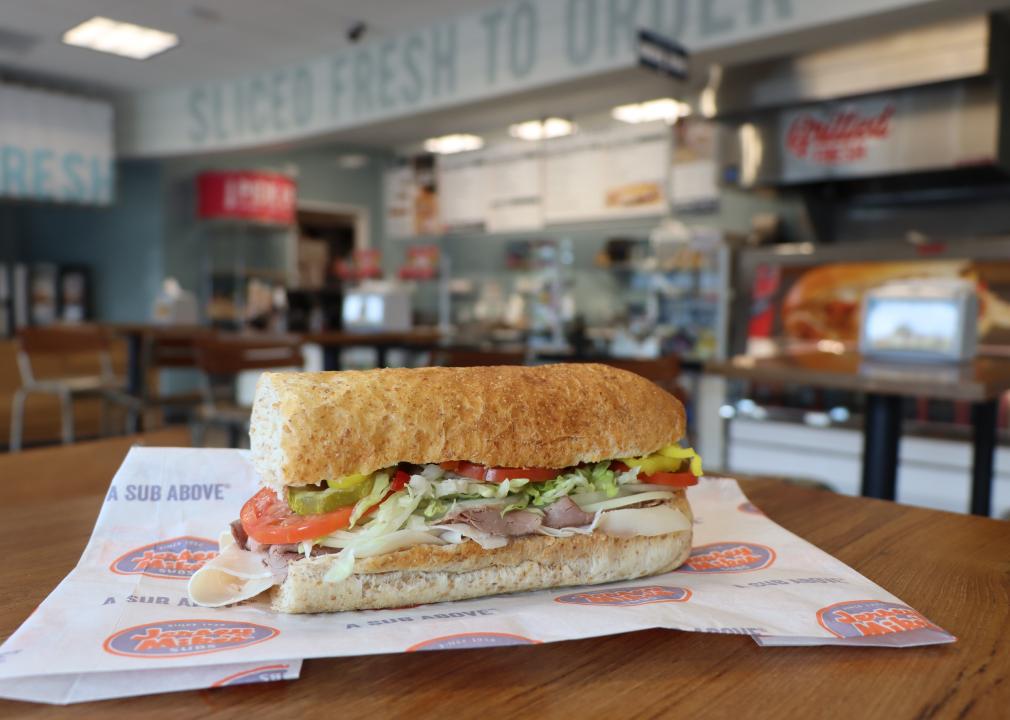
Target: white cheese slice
{"x":629,"y":522}
{"x":233,"y":576}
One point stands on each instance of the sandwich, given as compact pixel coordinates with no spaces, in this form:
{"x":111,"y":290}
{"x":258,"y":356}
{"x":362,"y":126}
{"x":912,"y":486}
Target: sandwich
{"x":386,"y":488}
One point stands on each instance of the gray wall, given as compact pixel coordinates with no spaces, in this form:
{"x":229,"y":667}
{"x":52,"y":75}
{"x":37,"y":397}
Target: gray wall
{"x":319,"y":178}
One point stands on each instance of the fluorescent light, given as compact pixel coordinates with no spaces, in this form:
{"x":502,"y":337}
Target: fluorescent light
{"x":120,"y":38}
{"x":457,"y":142}
{"x":666,"y":109}
{"x":545,"y":129}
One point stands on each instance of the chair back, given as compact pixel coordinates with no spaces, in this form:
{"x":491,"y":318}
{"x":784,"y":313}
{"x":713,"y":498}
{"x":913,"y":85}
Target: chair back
{"x":61,"y":341}
{"x":168,"y":349}
{"x":662,"y":370}
{"x":231,"y":354}
{"x":221,"y":358}
{"x":470,"y":357}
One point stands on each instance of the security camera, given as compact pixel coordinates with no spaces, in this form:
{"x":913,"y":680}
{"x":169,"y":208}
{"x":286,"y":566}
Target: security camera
{"x":356,"y":31}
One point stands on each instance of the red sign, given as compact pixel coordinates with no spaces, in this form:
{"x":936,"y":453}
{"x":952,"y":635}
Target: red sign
{"x":840,"y":138}
{"x":246,"y":195}
{"x":421,"y":263}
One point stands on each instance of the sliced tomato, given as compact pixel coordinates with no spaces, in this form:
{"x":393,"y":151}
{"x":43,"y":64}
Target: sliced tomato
{"x":675,"y":479}
{"x":501,"y":474}
{"x":400,"y":480}
{"x":482,"y":473}
{"x":466,"y":469}
{"x":269,"y":520}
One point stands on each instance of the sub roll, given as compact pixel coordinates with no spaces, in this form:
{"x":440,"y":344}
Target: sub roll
{"x":395,"y":487}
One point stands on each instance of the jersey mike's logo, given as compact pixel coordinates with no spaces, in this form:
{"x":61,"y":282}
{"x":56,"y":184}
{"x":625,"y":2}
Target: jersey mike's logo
{"x":177,"y":558}
{"x":728,"y":557}
{"x":463,"y":641}
{"x":266,"y":673}
{"x":863,"y":618}
{"x":180,"y":638}
{"x":627,"y":596}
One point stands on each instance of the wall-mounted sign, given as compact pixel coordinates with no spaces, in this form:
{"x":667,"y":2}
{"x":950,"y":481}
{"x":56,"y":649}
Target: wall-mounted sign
{"x":932,"y":127}
{"x":844,"y":135}
{"x":515,"y":47}
{"x":246,"y":195}
{"x":662,"y":54}
{"x":55,"y":147}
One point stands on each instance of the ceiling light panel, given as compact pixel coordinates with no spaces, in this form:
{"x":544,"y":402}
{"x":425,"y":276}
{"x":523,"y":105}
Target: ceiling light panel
{"x":666,"y":109}
{"x":457,"y":142}
{"x":552,"y":127}
{"x":120,"y":38}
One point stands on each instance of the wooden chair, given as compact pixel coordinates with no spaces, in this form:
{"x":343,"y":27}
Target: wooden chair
{"x":170,"y":349}
{"x":471,"y":357}
{"x":220,"y":359}
{"x":61,"y":341}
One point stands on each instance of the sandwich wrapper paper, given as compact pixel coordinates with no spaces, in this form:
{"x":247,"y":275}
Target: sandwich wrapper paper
{"x":121,"y":623}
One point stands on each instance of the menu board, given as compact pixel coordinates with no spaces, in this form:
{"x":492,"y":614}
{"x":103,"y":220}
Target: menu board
{"x":574,"y":184}
{"x":613,"y":173}
{"x":694,"y":176}
{"x":637,"y":169}
{"x":463,"y":190}
{"x":515,"y":188}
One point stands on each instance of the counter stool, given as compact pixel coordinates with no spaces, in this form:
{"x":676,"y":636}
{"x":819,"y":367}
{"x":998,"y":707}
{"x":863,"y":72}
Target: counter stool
{"x":220,"y":359}
{"x":61,"y":341}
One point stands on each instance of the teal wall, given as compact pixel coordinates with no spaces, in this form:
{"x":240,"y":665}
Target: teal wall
{"x":151,"y":230}
{"x":121,"y":244}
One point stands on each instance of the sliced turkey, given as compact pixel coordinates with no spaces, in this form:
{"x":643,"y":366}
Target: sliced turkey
{"x":565,"y":513}
{"x":517,"y":522}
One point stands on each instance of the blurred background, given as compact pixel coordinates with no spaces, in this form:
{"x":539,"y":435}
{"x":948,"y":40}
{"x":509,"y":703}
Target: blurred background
{"x":793,"y":215}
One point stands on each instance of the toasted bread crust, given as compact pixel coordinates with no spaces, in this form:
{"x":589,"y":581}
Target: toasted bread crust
{"x":308,"y":427}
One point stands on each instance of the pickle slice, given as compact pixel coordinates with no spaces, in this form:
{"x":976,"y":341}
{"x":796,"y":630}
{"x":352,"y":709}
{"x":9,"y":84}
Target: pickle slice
{"x":314,"y":501}
{"x":350,"y":482}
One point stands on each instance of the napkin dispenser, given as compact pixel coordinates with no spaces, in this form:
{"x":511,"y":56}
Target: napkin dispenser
{"x":922,"y":320}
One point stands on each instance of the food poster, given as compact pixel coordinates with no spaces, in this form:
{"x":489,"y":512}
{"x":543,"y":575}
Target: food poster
{"x":823,"y":302}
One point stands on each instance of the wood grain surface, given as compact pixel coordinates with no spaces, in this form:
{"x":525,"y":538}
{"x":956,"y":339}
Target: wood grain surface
{"x":954,"y":568}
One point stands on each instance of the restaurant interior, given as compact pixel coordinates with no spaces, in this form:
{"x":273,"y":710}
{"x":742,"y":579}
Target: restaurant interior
{"x":790,"y":215}
{"x":518,"y":217}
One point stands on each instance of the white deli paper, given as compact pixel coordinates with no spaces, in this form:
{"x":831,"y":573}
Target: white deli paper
{"x":121,"y":622}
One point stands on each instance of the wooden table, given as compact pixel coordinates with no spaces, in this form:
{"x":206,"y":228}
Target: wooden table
{"x":980,"y":383}
{"x":333,"y":341}
{"x":954,"y":568}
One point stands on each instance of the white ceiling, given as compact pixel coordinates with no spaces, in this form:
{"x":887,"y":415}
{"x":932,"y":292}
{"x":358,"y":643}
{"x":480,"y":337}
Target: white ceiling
{"x":219,"y":38}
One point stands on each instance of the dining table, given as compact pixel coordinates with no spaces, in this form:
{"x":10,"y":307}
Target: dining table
{"x":885,"y":384}
{"x":953,"y":568}
{"x":332,"y":342}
